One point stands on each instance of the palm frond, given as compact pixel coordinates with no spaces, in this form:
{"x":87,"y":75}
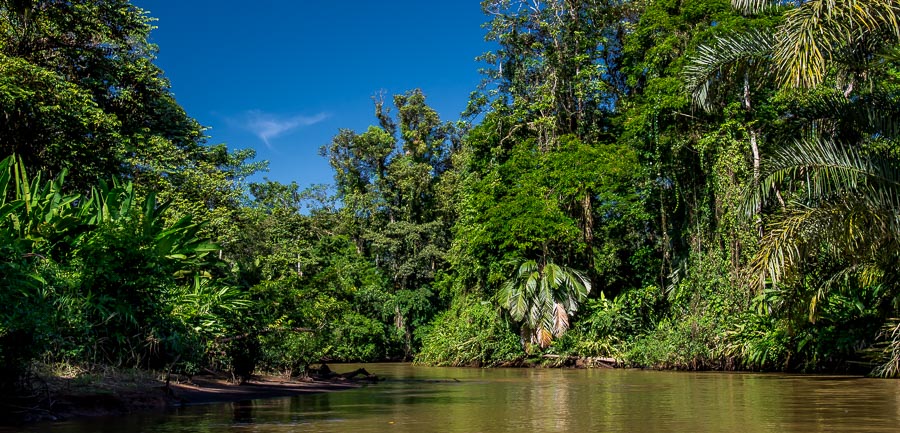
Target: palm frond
{"x":825,"y":168}
{"x":544,"y":337}
{"x":752,"y":7}
{"x":780,"y":247}
{"x":800,"y":231}
{"x":560,"y":320}
{"x":891,"y":54}
{"x":846,"y":205}
{"x":886,"y":352}
{"x":871,"y":115}
{"x":706,"y":67}
{"x":812,"y":32}
{"x":542,"y":298}
{"x":527,"y":268}
{"x":864,"y":274}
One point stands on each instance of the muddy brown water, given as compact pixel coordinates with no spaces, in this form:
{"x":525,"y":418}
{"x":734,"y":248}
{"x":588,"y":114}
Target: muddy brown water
{"x":428,"y":399}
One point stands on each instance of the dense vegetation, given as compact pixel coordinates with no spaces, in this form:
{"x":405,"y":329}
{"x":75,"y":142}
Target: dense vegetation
{"x":695,"y":184}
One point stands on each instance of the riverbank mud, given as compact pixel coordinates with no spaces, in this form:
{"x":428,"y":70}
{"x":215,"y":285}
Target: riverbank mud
{"x":73,"y":398}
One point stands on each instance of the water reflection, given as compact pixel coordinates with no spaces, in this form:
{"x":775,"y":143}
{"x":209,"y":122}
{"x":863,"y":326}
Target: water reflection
{"x":418,"y":399}
{"x":242,"y":412}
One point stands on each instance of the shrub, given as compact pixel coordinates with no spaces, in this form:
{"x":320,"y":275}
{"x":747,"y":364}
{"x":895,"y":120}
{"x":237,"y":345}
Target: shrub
{"x":470,"y":333}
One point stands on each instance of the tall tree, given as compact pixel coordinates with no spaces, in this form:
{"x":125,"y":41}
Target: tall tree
{"x":551,"y":87}
{"x":556,"y":70}
{"x":392,"y":184}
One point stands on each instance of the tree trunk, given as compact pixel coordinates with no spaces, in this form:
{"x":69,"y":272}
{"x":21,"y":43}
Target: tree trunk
{"x":754,"y":146}
{"x":587,"y":210}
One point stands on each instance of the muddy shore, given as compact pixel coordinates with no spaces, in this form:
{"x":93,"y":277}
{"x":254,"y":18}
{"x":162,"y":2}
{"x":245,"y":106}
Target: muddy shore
{"x":114,"y":398}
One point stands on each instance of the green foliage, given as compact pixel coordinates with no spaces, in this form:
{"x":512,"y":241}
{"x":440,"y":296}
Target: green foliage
{"x":398,"y":204}
{"x":724,"y":177}
{"x":35,"y":217}
{"x":684,"y":343}
{"x":606,"y":325}
{"x":95,"y":103}
{"x":470,"y":333}
{"x":630,"y":313}
{"x":358,"y":338}
{"x":103,"y":277}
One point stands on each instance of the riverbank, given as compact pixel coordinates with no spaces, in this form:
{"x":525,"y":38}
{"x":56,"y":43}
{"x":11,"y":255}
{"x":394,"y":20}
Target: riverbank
{"x":59,"y":397}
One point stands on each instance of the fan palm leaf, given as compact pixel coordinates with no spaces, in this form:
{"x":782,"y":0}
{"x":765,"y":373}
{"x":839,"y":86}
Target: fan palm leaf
{"x":542,"y":298}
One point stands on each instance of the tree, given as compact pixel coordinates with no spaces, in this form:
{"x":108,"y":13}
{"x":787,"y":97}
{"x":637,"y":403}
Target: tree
{"x":555,"y":70}
{"x":815,"y":37}
{"x":81,"y":92}
{"x":396,"y":202}
{"x":551,"y":88}
{"x":847,"y":204}
{"x":820,"y":36}
{"x":835,"y":225}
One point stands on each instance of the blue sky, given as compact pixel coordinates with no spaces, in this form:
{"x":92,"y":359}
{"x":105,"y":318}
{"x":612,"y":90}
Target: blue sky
{"x":284,"y":76}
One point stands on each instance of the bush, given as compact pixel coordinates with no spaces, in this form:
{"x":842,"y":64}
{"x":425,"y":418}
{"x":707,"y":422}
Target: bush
{"x":691,"y":342}
{"x":470,"y":333}
{"x":287,"y":352}
{"x":358,"y":338}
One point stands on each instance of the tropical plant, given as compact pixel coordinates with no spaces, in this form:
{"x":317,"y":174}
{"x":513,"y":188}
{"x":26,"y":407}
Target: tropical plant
{"x":846,"y":39}
{"x":470,"y":333}
{"x":845,"y":207}
{"x":834,"y":223}
{"x":20,"y":282}
{"x":543,"y":297}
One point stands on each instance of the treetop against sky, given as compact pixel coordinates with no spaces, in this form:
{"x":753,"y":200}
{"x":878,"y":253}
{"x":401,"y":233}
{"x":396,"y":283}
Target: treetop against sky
{"x":284,"y":76}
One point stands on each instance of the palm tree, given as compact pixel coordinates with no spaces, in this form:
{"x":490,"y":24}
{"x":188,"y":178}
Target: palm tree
{"x":845,"y":208}
{"x":542,"y":298}
{"x":845,"y":205}
{"x":818,"y":36}
{"x":849,"y":40}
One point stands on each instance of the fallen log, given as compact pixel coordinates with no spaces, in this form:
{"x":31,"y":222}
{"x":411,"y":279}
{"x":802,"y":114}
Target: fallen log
{"x":323,"y":372}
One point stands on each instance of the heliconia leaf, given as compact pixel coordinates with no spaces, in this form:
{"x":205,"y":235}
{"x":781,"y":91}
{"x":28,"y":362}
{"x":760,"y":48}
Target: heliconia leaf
{"x":8,"y":208}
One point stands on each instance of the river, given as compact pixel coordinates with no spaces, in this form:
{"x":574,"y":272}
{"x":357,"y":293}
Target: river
{"x":429,"y":399}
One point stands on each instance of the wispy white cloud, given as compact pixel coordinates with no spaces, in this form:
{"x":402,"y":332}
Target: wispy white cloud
{"x":267,"y":126}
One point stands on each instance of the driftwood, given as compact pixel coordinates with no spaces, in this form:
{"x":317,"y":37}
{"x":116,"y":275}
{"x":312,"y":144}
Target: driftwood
{"x":323,"y":372}
{"x":353,"y":374}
